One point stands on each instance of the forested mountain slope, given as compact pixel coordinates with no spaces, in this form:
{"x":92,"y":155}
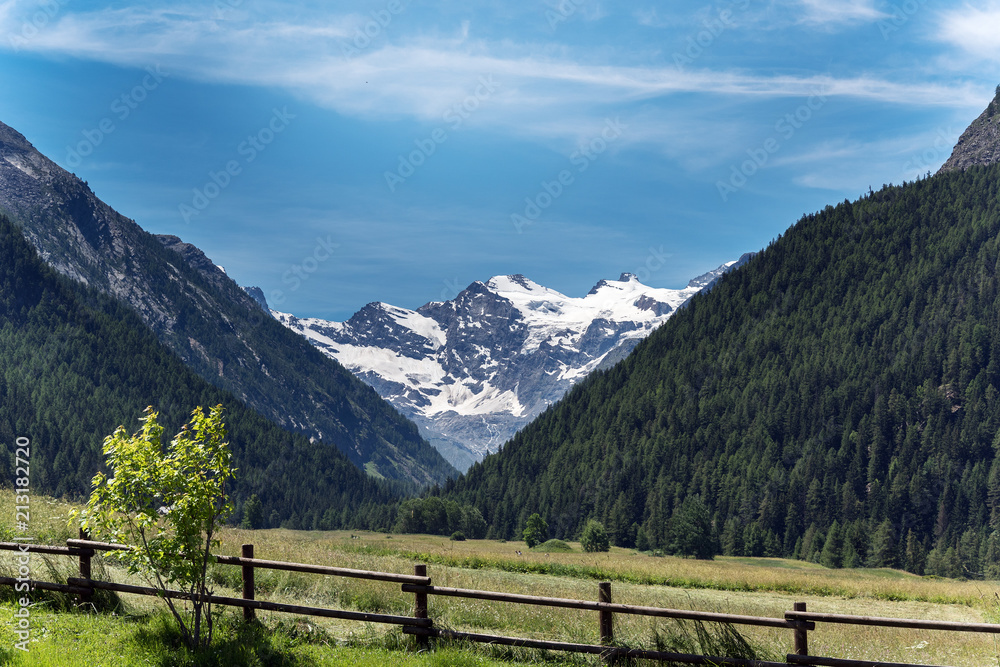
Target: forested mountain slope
{"x":74,"y":364}
{"x":835,"y":399}
{"x":206,"y":319}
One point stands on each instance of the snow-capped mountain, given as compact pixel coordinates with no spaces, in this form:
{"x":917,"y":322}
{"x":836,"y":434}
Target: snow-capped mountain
{"x":472,"y":371}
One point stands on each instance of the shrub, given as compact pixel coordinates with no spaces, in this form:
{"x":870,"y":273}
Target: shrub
{"x":594,"y":538}
{"x":536,"y":530}
{"x":552,"y":546}
{"x":166,"y":505}
{"x":457,"y":536}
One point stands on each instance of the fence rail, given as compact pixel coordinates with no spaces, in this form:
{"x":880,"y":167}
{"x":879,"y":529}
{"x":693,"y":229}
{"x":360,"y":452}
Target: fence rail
{"x":610,"y":607}
{"x":322,"y":569}
{"x":799,"y":620}
{"x":252,"y":604}
{"x":880,"y":621}
{"x":608,"y":652}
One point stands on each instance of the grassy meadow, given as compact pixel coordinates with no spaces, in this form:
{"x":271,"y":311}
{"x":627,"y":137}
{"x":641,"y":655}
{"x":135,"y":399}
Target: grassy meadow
{"x":134,"y":631}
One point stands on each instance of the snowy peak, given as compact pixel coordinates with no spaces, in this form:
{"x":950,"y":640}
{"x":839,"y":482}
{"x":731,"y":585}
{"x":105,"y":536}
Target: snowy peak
{"x":473,"y":370}
{"x":514,"y":283}
{"x":625,"y":299}
{"x":525,"y":293}
{"x":624,"y":278}
{"x":709,"y":279}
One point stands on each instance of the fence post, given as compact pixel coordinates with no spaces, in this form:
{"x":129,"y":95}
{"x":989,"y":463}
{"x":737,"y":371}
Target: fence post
{"x":420,"y":601}
{"x":606,"y":618}
{"x":801,"y":642}
{"x":249,"y":614}
{"x":85,"y":556}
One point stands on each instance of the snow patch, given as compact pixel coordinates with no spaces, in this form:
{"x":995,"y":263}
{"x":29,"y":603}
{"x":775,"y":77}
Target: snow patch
{"x":494,"y":373}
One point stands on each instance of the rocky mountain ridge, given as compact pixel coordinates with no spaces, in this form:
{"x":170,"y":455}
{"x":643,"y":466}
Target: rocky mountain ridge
{"x":215,"y":327}
{"x":980,"y":143}
{"x":472,"y":371}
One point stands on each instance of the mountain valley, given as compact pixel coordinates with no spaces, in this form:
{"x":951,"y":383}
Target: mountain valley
{"x":474,"y":370}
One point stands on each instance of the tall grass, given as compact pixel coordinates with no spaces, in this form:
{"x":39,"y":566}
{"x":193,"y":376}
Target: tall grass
{"x":758,"y":587}
{"x":105,"y":640}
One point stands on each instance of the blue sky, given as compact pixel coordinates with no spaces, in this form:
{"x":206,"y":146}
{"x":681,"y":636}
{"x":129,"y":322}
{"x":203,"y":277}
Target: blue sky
{"x":337,"y":153}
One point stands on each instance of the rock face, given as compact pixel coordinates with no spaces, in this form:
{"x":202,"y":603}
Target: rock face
{"x":257,"y":294}
{"x":472,"y":371}
{"x":218,"y":329}
{"x":980,"y":143}
{"x":194,"y":256}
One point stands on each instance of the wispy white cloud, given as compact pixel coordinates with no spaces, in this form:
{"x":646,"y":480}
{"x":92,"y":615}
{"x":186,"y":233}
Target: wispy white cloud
{"x":558,"y":11}
{"x":844,"y":164}
{"x":539,"y":89}
{"x":973,"y":29}
{"x":650,"y":17}
{"x":838,"y":12}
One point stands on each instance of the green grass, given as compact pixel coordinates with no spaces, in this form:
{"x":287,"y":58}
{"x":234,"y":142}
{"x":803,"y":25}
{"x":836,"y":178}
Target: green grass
{"x":137,"y":634}
{"x":782,"y":563}
{"x":728,"y":574}
{"x":552,"y":546}
{"x":371,"y":469}
{"x":65,"y":639}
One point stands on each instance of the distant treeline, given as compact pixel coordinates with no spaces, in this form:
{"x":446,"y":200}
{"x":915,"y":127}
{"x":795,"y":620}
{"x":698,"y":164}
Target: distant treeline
{"x":439,"y":517}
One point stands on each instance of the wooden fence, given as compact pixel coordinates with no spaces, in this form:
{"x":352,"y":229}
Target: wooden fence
{"x":799,"y":621}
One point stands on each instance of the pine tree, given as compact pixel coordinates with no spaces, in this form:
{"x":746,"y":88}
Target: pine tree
{"x":253,"y":513}
{"x":691,"y":530}
{"x":883,"y":548}
{"x":991,"y":559}
{"x":916,"y":557}
{"x":641,"y":541}
{"x":832,"y":555}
